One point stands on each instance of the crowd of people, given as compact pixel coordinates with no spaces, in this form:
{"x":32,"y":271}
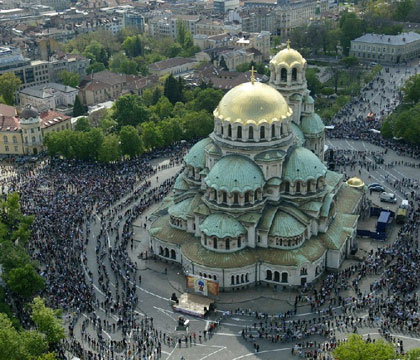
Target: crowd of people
{"x":80,"y":206}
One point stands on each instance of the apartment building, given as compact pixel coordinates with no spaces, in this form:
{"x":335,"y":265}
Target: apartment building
{"x":386,"y":49}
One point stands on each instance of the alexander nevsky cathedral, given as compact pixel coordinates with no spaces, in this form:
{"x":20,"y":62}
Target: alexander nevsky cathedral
{"x":255,"y":203}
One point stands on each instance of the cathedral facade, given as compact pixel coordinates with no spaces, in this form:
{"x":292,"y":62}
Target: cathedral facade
{"x":255,"y":202}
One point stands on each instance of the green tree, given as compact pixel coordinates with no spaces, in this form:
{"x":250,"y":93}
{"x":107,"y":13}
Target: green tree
{"x":24,"y":281}
{"x":163,"y":108}
{"x":95,"y":138}
{"x":207,"y":99}
{"x":82,"y":124}
{"x":172,"y":89}
{"x":350,"y":61}
{"x":197,"y":124}
{"x":412,"y":89}
{"x":9,"y":84}
{"x":47,"y":321}
{"x":131,"y":143}
{"x":68,"y":78}
{"x":110,"y":149}
{"x":93,"y":50}
{"x":351,"y":27}
{"x":95,"y":67}
{"x":403,"y":9}
{"x":20,"y":345}
{"x":357,"y":349}
{"x":386,"y":129}
{"x":78,"y":108}
{"x":129,"y":110}
{"x":132,"y":46}
{"x":314,"y":85}
{"x":413,"y":354}
{"x":119,"y":63}
{"x":150,"y":135}
{"x":222,"y":63}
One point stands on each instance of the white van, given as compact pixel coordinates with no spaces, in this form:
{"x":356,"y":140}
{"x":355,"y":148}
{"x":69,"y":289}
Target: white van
{"x":405,"y":204}
{"x":388,"y":197}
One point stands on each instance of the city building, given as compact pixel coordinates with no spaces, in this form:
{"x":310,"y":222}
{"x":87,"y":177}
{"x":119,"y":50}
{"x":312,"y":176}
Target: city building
{"x":23,"y":133}
{"x":58,"y":5}
{"x":174,"y":66}
{"x":37,"y":72}
{"x":133,"y":20}
{"x":223,"y":6}
{"x":107,"y":86}
{"x":255,"y":203}
{"x":48,"y":96}
{"x":168,"y":25}
{"x":387,"y":49}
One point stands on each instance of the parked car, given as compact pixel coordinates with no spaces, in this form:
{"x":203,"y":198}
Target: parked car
{"x":388,"y":197}
{"x":376,"y":187}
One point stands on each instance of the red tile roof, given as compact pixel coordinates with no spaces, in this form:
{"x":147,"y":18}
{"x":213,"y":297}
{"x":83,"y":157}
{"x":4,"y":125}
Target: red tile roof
{"x":51,"y":117}
{"x":9,"y":123}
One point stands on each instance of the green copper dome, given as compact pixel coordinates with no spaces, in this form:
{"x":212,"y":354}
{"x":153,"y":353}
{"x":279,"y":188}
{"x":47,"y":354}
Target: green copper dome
{"x":302,"y":164}
{"x":285,"y":225}
{"x":221,"y":226}
{"x":298,"y":133}
{"x":196,"y":156}
{"x":235,"y":173}
{"x":312,"y":124}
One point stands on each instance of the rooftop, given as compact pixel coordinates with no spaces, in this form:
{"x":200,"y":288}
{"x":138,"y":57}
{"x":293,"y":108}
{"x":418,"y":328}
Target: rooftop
{"x":400,"y":39}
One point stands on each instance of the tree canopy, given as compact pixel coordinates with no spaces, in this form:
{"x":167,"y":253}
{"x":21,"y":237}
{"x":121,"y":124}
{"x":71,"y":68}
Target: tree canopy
{"x":9,"y":83}
{"x":68,"y":78}
{"x":355,"y":348}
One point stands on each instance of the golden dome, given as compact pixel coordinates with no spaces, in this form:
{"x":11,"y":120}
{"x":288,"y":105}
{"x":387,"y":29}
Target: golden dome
{"x":355,"y":182}
{"x":253,"y":103}
{"x":289,"y":57}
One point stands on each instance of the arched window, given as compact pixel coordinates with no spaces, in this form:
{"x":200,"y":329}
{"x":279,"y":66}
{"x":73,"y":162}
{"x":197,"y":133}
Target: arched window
{"x":308,"y":186}
{"x":173,"y":254}
{"x":246,"y":278}
{"x":166,"y":252}
{"x":251,"y":133}
{"x":33,"y":139}
{"x":239,"y":242}
{"x":223,"y":128}
{"x":283,"y":74}
{"x":276,"y":276}
{"x":14,"y":139}
{"x":224,"y":196}
{"x":294,"y":74}
{"x":239,"y":132}
{"x":160,"y":250}
{"x":230,"y":130}
{"x":227,"y":245}
{"x":281,"y":129}
{"x":242,"y":278}
{"x":284,"y":277}
{"x":273,"y":131}
{"x":287,"y":187}
{"x":232,"y":280}
{"x":5,"y":139}
{"x":262,"y":132}
{"x":247,"y":197}
{"x":237,"y":279}
{"x":298,"y":187}
{"x":304,"y":271}
{"x":235,"y":198}
{"x":205,"y":275}
{"x":269,"y":275}
{"x":215,"y":243}
{"x":214,"y":277}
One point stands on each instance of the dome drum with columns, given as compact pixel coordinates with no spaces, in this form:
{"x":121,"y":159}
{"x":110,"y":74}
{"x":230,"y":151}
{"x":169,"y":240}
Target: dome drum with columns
{"x":255,"y":202}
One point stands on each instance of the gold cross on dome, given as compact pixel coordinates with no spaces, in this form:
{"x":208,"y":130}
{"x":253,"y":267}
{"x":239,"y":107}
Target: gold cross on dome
{"x":288,"y":43}
{"x":252,"y":71}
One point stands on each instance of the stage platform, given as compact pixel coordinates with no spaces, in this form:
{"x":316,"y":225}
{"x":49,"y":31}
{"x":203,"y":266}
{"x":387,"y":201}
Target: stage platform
{"x":193,"y":305}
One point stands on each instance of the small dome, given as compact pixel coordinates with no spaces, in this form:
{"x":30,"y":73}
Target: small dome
{"x":288,"y":57}
{"x":253,"y":103}
{"x":286,"y":226}
{"x":298,"y":133}
{"x":302,"y":164}
{"x":355,"y":182}
{"x":28,"y":112}
{"x":196,"y":156}
{"x":312,"y":124}
{"x":221,"y":226}
{"x":235,"y":173}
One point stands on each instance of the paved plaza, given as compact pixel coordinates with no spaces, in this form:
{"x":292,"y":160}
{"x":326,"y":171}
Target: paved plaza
{"x":131,"y":287}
